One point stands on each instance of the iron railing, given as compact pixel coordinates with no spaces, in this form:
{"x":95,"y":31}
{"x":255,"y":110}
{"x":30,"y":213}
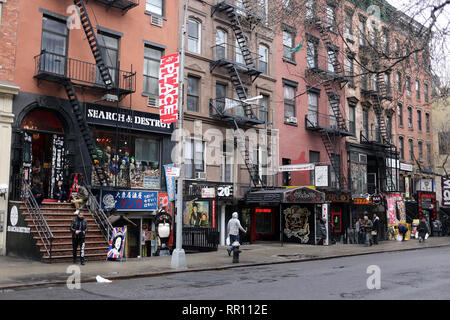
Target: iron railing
{"x":54,"y":67}
{"x":234,"y":108}
{"x":316,"y":120}
{"x":39,"y":221}
{"x":98,"y":214}
{"x":200,"y":239}
{"x":120,"y":4}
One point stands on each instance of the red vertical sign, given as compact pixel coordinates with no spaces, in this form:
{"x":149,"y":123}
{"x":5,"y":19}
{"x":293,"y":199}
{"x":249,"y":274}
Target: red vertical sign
{"x":214,"y":213}
{"x":168,"y":88}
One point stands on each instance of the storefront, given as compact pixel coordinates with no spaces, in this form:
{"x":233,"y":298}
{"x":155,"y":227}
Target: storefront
{"x":204,"y":214}
{"x":285,"y":215}
{"x":340,"y":213}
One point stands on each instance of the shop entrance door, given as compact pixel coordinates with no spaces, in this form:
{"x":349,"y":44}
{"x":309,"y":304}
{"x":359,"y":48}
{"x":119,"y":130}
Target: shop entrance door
{"x":134,"y":238}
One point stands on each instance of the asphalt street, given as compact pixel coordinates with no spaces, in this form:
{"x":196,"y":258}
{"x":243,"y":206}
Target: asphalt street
{"x":417,"y":274}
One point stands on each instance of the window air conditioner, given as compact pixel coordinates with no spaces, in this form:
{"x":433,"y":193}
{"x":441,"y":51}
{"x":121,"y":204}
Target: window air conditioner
{"x":152,"y":102}
{"x":291,"y":120}
{"x":200,"y":175}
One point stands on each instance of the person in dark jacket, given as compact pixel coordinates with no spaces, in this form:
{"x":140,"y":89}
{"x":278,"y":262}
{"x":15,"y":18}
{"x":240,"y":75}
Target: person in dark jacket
{"x":38,"y":193}
{"x":58,"y":192}
{"x":375,"y":228}
{"x":423,"y":229}
{"x":79,"y":229}
{"x":402,"y":229}
{"x":321,"y":232}
{"x":368,"y":225}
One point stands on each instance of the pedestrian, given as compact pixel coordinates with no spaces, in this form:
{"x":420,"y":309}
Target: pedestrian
{"x":58,"y":192}
{"x":233,"y":230}
{"x":80,"y":199}
{"x":321,"y":232}
{"x":359,"y":230}
{"x":402,"y":229}
{"x":37,"y":192}
{"x":79,"y":228}
{"x":423,"y":229}
{"x":368,"y":225}
{"x":375,"y":228}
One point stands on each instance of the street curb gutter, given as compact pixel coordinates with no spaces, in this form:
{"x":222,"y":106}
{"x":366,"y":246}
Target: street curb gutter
{"x":224,"y":267}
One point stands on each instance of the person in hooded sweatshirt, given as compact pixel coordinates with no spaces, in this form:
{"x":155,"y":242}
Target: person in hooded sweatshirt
{"x":233,"y":230}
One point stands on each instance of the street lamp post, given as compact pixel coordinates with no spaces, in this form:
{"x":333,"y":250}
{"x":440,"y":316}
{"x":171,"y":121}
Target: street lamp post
{"x":178,"y":255}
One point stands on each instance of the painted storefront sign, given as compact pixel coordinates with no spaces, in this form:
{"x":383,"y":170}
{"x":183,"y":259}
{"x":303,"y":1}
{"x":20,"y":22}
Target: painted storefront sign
{"x":130,"y":200}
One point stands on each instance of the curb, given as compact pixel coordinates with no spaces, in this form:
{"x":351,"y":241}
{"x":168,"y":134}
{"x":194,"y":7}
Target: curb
{"x":224,"y":267}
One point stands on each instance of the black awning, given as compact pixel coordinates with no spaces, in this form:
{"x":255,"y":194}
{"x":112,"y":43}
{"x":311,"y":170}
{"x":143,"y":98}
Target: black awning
{"x":285,"y":195}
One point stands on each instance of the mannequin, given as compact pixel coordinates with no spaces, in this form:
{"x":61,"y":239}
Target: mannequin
{"x":163,"y":222}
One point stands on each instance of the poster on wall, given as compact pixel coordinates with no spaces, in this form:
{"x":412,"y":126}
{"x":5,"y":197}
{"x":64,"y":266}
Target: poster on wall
{"x":402,"y":210}
{"x":117,"y":243}
{"x":296,"y":226}
{"x":196,"y":214}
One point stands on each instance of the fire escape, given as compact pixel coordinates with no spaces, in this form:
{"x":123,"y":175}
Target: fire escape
{"x":226,"y":108}
{"x":332,"y":127}
{"x":71,"y":72}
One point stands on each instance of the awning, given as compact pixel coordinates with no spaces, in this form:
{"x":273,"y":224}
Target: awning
{"x":277,"y":196}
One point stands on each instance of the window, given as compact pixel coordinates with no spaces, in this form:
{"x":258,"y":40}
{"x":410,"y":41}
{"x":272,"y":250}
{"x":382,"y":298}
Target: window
{"x":385,"y":42}
{"x":417,"y":90}
{"x":430,"y":162}
{"x":363,"y":79}
{"x":152,"y":59}
{"x":401,"y":146}
{"x":362,"y":33}
{"x":420,"y":145}
{"x":193,"y":94}
{"x":410,"y":121}
{"x":139,"y":165}
{"x":54,"y":43}
{"x":288,"y":43}
{"x":366,"y":123}
{"x":358,"y":163}
{"x":411,"y":150}
{"x":227,"y":163}
{"x":331,"y":59}
{"x":387,"y":82}
{"x":416,"y":59}
{"x":408,"y":86}
{"x":313,"y":108}
{"x":373,"y":35}
{"x":286,"y":175}
{"x":289,"y":101}
{"x":350,"y":70}
{"x":427,"y":122}
{"x":221,"y":44}
{"x":314,"y":157}
{"x":193,"y":158}
{"x":221,"y":94}
{"x":397,"y":48}
{"x":348,"y":25}
{"x":419,"y":120}
{"x":154,"y":6}
{"x":194,"y":36}
{"x":263,"y":10}
{"x":400,"y":114}
{"x":309,"y":5}
{"x":444,"y":144}
{"x":389,"y":126}
{"x":352,"y":118}
{"x":335,"y":170}
{"x":331,"y":17}
{"x":263,"y":58}
{"x":109,"y":46}
{"x":399,"y":81}
{"x":239,"y":57}
{"x":375,"y":82}
{"x":311,"y":54}
{"x":425,"y":92}
{"x":264,"y":108}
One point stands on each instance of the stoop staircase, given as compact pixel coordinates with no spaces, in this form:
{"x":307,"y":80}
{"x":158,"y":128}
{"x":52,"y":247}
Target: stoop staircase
{"x":59,"y":217}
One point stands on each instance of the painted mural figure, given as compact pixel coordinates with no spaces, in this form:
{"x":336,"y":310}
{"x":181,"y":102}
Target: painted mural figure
{"x":296,"y":223}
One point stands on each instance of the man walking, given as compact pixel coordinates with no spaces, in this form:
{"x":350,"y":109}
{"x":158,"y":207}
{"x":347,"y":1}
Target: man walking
{"x":368,"y":225}
{"x":375,"y":228}
{"x":233,"y":230}
{"x":423,"y":229}
{"x":79,"y":229}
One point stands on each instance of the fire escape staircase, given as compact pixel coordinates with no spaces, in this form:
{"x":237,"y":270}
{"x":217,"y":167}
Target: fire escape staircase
{"x":329,"y":137}
{"x":389,"y":148}
{"x":234,"y":15}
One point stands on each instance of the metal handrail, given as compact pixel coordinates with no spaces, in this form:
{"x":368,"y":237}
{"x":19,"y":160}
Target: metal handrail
{"x":38,"y":218}
{"x":98,"y":214}
{"x":81,"y":71}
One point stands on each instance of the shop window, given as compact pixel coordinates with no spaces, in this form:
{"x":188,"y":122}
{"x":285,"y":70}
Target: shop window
{"x":131,"y":161}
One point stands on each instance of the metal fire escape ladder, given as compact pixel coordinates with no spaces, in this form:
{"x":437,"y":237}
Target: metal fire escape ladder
{"x":245,"y":153}
{"x":93,"y":43}
{"x":85,"y":132}
{"x":331,"y":148}
{"x":233,"y":15}
{"x":240,"y":90}
{"x":391,"y":151}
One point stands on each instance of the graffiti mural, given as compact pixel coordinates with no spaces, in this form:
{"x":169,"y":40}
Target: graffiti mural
{"x":296,"y":223}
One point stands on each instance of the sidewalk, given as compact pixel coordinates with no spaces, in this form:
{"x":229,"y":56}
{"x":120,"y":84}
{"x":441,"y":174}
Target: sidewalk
{"x":17,"y":272}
